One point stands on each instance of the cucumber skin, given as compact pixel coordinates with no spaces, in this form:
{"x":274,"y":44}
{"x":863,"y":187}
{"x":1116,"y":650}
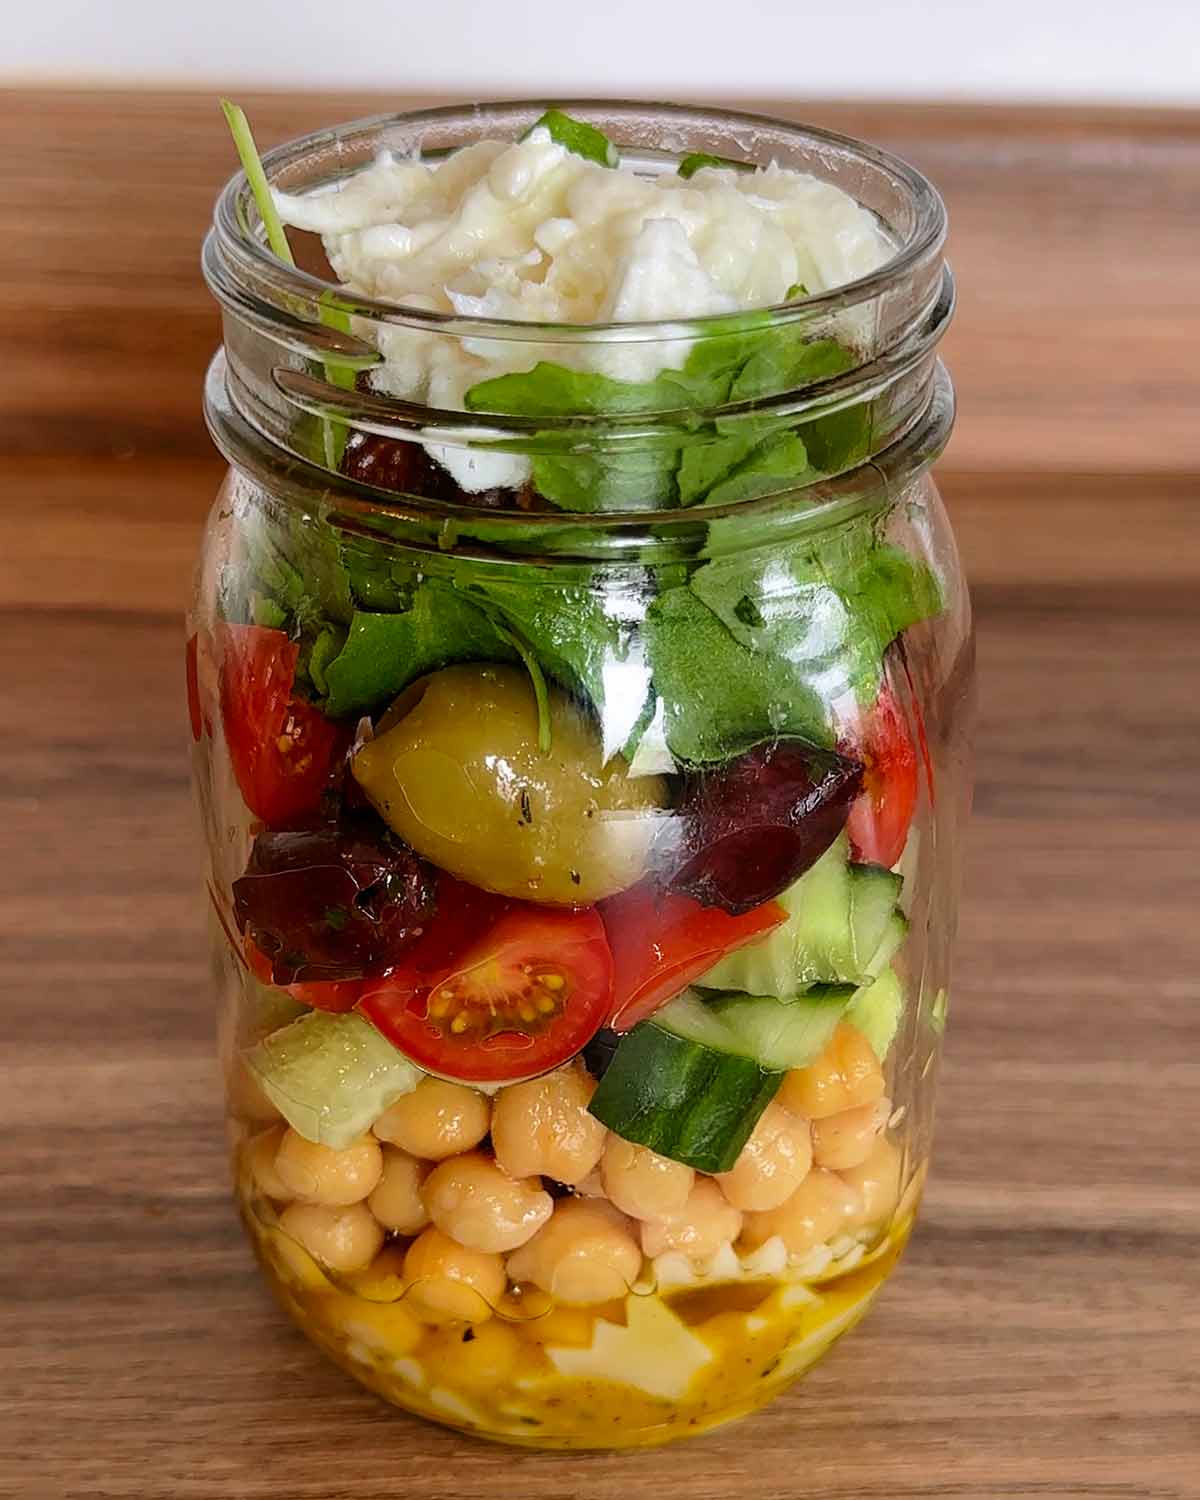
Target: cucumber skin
{"x":682,"y":1099}
{"x":839,"y":913}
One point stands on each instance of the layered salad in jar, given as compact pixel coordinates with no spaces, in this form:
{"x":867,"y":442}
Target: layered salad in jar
{"x":563,"y":925}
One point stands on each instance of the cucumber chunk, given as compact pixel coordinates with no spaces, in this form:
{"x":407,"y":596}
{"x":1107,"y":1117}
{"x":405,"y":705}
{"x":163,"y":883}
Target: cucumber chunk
{"x":838,"y":918}
{"x":695,"y":1018}
{"x":874,"y":892}
{"x":782,"y":1034}
{"x":876,"y":1010}
{"x":688,"y":1101}
{"x":331,"y":1076}
{"x":889,"y":944}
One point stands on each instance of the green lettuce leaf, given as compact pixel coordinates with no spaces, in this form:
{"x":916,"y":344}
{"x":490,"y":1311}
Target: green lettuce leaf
{"x":719,"y":697}
{"x":385,"y":652}
{"x":748,"y":361}
{"x":831,"y":605}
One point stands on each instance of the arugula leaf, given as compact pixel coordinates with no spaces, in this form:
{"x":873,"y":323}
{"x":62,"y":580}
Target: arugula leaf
{"x":778,"y":463}
{"x":538,"y":680}
{"x":577,"y":136}
{"x":692,"y":163}
{"x":385,"y":652}
{"x":718,"y":696}
{"x":749,"y":360}
{"x":831,"y":605}
{"x":565,"y":626}
{"x":593,"y":482}
{"x":550,"y":390}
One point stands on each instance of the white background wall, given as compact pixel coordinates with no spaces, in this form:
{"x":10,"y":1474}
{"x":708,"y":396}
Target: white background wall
{"x":1142,"y":51}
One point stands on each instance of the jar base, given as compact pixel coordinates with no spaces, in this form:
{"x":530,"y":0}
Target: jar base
{"x":753,"y":1352}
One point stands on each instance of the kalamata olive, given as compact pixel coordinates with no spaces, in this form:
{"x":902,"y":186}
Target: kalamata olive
{"x":745,"y":831}
{"x":333,"y":901}
{"x":458,"y":773}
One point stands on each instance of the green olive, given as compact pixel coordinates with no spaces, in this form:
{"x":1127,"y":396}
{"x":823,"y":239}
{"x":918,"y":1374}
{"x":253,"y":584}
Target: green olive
{"x":458,"y":774}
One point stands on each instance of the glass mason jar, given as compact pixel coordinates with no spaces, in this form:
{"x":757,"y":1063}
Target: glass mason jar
{"x":582,"y":776}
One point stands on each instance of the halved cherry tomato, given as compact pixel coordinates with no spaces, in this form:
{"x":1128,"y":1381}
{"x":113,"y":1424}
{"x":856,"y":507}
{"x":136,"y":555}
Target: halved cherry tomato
{"x":335,"y":995}
{"x":661,"y":942}
{"x":282,"y":749}
{"x":526,"y":996}
{"x":462,"y":914}
{"x":880,"y":817}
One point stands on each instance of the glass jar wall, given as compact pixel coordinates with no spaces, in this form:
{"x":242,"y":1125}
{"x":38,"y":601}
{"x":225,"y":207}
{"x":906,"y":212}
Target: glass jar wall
{"x":581,"y":782}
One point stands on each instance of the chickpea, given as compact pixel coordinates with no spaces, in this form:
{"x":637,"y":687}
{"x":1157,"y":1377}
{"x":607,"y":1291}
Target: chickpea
{"x":585,"y":1254}
{"x":436,"y":1120}
{"x":699,"y":1229}
{"x":451,"y":1283}
{"x":292,"y":1261}
{"x":319,"y":1174}
{"x":478,"y":1204}
{"x":383,"y":1280}
{"x":848,"y":1138}
{"x":344,"y":1238}
{"x":396,"y":1199}
{"x":542,"y":1128}
{"x":877,"y":1182}
{"x":845,"y":1075}
{"x":641,"y":1183}
{"x":479,"y":1358}
{"x":260,"y":1162}
{"x":821,"y":1207}
{"x":774,"y":1161}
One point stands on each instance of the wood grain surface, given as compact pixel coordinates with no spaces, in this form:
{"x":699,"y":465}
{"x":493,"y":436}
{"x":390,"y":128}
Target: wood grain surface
{"x":1043,"y":1334}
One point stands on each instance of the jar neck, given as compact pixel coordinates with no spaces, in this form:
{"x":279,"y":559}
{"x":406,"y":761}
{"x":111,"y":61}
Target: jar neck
{"x":840,"y":380}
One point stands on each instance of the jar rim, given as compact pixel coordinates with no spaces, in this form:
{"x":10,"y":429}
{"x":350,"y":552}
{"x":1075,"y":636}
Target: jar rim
{"x":240,"y":248}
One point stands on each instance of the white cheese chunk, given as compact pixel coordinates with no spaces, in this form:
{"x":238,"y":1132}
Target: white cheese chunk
{"x":530,"y":232}
{"x":655,"y":1352}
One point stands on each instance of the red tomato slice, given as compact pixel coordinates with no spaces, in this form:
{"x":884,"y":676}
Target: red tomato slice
{"x":335,"y":995}
{"x":528,"y":995}
{"x":282,"y":749}
{"x":463,"y":912}
{"x":661,"y":942}
{"x":880,"y":817}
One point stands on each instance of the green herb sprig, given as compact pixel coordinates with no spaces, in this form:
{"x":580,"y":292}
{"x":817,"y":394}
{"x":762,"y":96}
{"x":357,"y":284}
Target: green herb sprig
{"x":338,"y":373}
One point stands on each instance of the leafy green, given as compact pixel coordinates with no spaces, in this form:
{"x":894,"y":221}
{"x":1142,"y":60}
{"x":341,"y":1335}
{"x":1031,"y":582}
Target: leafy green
{"x":830,"y":605}
{"x":332,"y":435}
{"x":550,"y":390}
{"x":759,"y":642}
{"x":773,"y":465}
{"x":593,"y":483}
{"x":749,"y":360}
{"x":565,"y":625}
{"x":719,"y":697}
{"x":537,"y":678}
{"x":692,"y":163}
{"x":577,"y":136}
{"x":385,"y":652}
